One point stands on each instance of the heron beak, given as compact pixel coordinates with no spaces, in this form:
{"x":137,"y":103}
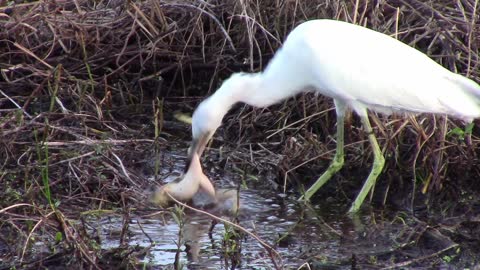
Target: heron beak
{"x":197,"y":146}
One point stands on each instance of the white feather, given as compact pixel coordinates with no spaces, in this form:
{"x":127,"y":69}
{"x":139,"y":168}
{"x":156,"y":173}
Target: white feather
{"x":357,"y":67}
{"x":354,"y":65}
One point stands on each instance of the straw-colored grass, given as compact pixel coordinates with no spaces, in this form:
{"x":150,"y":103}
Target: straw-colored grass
{"x":86,"y":88}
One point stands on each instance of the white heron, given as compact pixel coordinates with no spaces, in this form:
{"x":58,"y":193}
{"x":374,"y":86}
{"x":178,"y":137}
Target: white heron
{"x":360,"y":69}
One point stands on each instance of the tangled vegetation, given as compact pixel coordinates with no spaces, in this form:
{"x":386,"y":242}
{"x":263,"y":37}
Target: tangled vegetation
{"x":90,"y":90}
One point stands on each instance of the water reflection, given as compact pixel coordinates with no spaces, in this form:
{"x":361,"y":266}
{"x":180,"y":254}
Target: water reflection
{"x":269,"y":218}
{"x":323,"y":235}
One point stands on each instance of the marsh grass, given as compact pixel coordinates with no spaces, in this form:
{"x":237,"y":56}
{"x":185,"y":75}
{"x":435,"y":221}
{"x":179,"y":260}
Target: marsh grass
{"x":87,"y":87}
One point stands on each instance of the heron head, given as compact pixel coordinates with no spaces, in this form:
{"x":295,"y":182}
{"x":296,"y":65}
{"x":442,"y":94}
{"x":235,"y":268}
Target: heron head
{"x":204,"y":123}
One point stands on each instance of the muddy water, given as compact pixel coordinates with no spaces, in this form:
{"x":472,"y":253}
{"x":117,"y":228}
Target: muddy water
{"x":321,"y":235}
{"x":270,"y":216}
{"x":325,"y":236}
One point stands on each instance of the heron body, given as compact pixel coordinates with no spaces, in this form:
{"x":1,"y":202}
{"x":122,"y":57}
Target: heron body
{"x":360,"y":69}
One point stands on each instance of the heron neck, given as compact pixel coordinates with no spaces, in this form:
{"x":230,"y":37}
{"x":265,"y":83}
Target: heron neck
{"x":242,"y":90}
{"x":260,"y":89}
{"x":266,"y":88}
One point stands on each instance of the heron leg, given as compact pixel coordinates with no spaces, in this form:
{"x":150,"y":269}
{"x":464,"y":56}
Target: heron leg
{"x":338,"y":159}
{"x":378,"y":163}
